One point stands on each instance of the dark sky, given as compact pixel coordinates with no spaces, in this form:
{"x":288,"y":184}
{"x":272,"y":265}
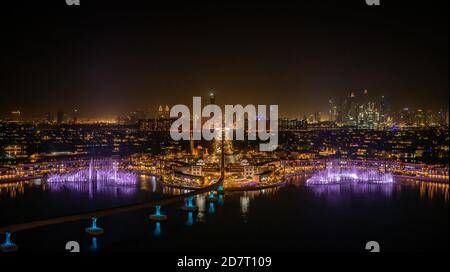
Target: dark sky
{"x":109,"y":57}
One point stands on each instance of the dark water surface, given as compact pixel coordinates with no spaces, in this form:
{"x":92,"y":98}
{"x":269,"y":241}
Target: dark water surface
{"x":408,"y":215}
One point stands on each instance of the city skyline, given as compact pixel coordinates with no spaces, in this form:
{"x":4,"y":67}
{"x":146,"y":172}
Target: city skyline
{"x":297,"y":56}
{"x":323,"y":110}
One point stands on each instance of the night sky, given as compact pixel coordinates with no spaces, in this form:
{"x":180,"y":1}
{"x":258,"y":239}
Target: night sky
{"x":110,"y":57}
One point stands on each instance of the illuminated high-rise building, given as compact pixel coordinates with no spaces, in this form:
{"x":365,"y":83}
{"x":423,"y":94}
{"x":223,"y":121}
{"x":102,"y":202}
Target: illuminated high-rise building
{"x":332,"y":110}
{"x":353,"y":109}
{"x":364,"y":99}
{"x":59,"y":116}
{"x":406,"y":117}
{"x":163,"y":121}
{"x":441,"y":117}
{"x":49,"y":117}
{"x":160,"y":111}
{"x":212,"y":98}
{"x":368,"y":116}
{"x":167,"y":111}
{"x":75,"y":116}
{"x":163,"y":112}
{"x":16,"y":115}
{"x":420,"y":118}
{"x":310,"y":119}
{"x":382,"y":111}
{"x":317,"y":117}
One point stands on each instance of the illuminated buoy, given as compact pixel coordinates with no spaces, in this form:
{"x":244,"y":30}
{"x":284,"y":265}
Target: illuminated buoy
{"x":157,"y":216}
{"x":189,"y":206}
{"x":212,"y":197}
{"x":8,"y":246}
{"x":93,"y":229}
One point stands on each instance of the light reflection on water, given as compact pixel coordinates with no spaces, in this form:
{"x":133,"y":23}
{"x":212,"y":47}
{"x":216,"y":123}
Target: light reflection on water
{"x":427,"y":191}
{"x":433,"y":190}
{"x":212,"y":209}
{"x":245,"y":204}
{"x":146,"y":184}
{"x":94,"y":244}
{"x":250,"y":208}
{"x":221,"y":199}
{"x":358,"y":189}
{"x":13,"y":190}
{"x":93,"y":188}
{"x":246,"y":197}
{"x":190,"y":219}
{"x":200,"y":201}
{"x":157,"y":231}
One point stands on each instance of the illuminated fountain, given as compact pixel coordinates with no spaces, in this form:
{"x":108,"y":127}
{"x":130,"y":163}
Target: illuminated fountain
{"x":104,"y":172}
{"x":341,"y":175}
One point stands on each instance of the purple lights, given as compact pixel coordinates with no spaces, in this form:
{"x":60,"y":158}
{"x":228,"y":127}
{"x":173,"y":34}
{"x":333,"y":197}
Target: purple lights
{"x":96,"y":172}
{"x":337,"y":174}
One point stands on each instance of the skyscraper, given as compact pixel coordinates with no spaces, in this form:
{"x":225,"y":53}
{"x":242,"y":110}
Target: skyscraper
{"x":163,"y":112}
{"x":352,"y":115}
{"x":49,"y":117}
{"x":60,"y":117}
{"x":167,"y":111}
{"x":212,"y":98}
{"x":16,"y":115}
{"x":317,"y":117}
{"x":160,"y":111}
{"x":332,"y":110}
{"x":382,"y":111}
{"x":75,"y":116}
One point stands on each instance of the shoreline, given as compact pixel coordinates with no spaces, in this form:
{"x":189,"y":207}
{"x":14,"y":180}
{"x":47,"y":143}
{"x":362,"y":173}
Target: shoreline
{"x":17,"y":180}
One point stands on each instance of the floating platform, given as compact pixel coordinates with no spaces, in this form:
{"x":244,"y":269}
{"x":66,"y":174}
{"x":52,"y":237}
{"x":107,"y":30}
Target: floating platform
{"x":94,"y":231}
{"x":158,"y":217}
{"x":9,"y":247}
